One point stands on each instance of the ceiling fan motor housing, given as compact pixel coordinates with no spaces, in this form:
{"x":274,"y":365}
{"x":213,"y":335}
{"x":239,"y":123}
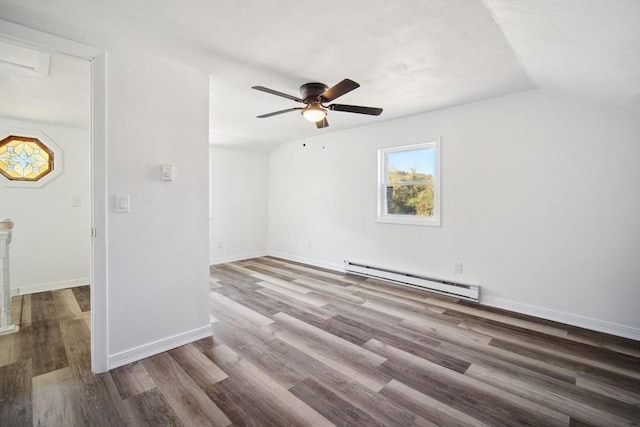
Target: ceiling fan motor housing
{"x":310,"y":92}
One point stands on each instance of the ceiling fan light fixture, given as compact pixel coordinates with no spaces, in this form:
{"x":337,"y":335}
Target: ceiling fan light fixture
{"x":314,"y":113}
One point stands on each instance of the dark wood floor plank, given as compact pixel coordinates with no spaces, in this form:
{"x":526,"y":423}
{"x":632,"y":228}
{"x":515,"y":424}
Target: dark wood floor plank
{"x":202,"y":370}
{"x":617,"y":390}
{"x":268,"y":400}
{"x":348,"y":388}
{"x":497,"y":355}
{"x":43,"y":308}
{"x":272,"y":364}
{"x":327,"y":288}
{"x":268,"y":270}
{"x":75,"y":334}
{"x":444,"y":331}
{"x":598,"y":357}
{"x":237,"y":338}
{"x":45,"y":347}
{"x":190,"y":403}
{"x":404,"y":291}
{"x":292,"y":305}
{"x":241,"y":407}
{"x":303,"y":295}
{"x":249,"y":300}
{"x":236,"y":313}
{"x":406,"y":301}
{"x":225,"y":274}
{"x":579,"y":404}
{"x":15,"y":394}
{"x":131,"y":380}
{"x":150,"y":408}
{"x":378,"y":324}
{"x":14,"y":347}
{"x":484,"y":402}
{"x":332,"y":406}
{"x":83,"y":296}
{"x":333,"y":343}
{"x":306,"y":270}
{"x":54,"y":401}
{"x":91,"y":394}
{"x":600,"y":339}
{"x":579,"y":366}
{"x":364,"y":375}
{"x":361,"y":313}
{"x":429,"y":408}
{"x":286,"y":282}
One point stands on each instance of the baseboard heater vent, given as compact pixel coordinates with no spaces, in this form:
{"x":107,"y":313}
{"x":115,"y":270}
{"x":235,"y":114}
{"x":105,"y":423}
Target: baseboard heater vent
{"x":457,"y":290}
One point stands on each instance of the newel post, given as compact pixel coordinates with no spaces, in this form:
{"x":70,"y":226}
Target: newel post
{"x":6,"y":320}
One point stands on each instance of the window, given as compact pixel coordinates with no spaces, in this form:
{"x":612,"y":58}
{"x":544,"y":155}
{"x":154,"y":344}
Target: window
{"x":29,"y":160}
{"x":24,"y":159}
{"x":409,"y":184}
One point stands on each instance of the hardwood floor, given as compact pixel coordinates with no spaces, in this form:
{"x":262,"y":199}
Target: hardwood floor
{"x":295,"y":345}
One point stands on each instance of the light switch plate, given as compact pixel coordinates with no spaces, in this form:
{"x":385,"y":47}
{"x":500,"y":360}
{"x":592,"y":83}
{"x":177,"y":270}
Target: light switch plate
{"x":122,"y":203}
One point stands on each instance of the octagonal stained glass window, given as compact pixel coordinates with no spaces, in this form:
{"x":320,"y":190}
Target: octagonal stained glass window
{"x":24,"y":158}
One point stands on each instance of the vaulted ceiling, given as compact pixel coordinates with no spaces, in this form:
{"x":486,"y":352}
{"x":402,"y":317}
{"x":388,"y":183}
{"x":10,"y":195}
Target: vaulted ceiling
{"x":408,"y":56}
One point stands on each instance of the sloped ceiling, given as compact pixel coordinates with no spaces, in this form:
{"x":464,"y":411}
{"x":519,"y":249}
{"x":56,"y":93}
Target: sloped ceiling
{"x":408,"y":56}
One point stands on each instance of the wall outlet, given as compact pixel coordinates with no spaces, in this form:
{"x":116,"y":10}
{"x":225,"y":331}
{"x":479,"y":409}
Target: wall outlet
{"x":457,"y":267}
{"x":219,"y":244}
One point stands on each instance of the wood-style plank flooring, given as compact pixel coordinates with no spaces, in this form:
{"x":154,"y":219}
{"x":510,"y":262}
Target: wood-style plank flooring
{"x":295,"y":345}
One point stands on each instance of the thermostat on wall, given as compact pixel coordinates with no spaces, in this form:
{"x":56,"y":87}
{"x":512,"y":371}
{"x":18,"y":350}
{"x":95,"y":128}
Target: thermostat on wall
{"x":167,"y":172}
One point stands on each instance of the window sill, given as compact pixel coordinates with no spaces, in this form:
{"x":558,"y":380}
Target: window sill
{"x":432,"y":222}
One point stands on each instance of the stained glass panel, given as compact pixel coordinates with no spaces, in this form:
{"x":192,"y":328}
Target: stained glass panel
{"x":24,"y":159}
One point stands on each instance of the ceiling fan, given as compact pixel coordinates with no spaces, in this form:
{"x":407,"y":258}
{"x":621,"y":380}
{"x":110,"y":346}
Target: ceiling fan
{"x":316,"y":95}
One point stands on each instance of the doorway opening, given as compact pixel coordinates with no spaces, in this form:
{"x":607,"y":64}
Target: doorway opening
{"x":75,"y":121}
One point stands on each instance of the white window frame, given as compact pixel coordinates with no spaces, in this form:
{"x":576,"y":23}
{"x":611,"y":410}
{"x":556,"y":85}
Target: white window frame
{"x":385,"y":217}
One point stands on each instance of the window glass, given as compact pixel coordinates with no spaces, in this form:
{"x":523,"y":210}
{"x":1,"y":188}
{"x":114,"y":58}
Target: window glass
{"x":24,"y":159}
{"x":409,"y":184}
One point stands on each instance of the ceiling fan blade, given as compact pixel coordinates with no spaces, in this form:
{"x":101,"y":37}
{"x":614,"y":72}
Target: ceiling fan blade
{"x":275,"y":92}
{"x":322,"y":123}
{"x":340,"y":89}
{"x":275,"y":113}
{"x":356,"y":109}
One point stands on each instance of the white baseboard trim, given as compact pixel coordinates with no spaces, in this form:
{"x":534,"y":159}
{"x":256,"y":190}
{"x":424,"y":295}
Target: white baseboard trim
{"x":568,"y":318}
{"x":234,"y":258}
{"x":11,"y":329}
{"x":142,"y":352}
{"x":53,"y":286}
{"x":329,"y":266}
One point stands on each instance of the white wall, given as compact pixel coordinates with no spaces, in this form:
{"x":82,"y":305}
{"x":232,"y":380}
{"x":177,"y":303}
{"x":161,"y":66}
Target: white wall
{"x":158,"y":272}
{"x":157,"y":269}
{"x":541,"y":202}
{"x":239,"y":192}
{"x":51,"y":239}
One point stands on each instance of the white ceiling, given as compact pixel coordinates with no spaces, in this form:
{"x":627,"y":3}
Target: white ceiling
{"x":408,"y":56}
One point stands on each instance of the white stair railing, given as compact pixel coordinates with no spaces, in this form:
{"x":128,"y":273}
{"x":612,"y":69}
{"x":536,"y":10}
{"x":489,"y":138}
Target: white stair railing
{"x":6,"y":319}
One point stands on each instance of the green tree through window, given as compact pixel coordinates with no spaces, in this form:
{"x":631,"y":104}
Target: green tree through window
{"x":408,"y":184}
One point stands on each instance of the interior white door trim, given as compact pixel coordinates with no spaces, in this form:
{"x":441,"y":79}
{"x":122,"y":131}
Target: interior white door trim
{"x":54,"y":44}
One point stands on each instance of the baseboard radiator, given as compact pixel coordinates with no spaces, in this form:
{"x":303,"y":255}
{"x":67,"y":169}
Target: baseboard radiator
{"x":456,"y":290}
